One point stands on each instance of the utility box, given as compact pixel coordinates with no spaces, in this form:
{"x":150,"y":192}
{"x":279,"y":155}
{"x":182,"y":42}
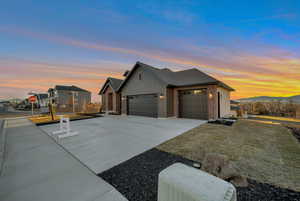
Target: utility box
{"x":183,"y":183}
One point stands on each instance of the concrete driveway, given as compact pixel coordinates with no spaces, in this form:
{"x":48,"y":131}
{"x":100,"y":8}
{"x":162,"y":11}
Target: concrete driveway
{"x":108,"y":141}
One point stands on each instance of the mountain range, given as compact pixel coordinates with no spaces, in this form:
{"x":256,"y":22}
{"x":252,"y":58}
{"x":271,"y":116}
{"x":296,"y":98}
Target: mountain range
{"x":294,"y":99}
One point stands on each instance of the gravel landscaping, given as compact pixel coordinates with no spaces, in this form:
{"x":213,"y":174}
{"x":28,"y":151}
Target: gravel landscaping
{"x":296,"y":132}
{"x":226,"y":122}
{"x":137,"y":179}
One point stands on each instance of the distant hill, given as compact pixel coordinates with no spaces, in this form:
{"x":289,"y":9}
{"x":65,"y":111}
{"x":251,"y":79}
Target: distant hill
{"x":295,"y":99}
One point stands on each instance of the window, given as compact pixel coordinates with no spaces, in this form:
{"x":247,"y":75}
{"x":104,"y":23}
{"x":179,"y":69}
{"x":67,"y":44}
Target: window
{"x":197,"y":91}
{"x":140,"y":76}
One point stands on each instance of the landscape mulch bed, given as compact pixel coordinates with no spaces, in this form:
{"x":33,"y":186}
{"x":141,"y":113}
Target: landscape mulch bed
{"x":137,"y":179}
{"x":222,"y":122}
{"x":296,"y":132}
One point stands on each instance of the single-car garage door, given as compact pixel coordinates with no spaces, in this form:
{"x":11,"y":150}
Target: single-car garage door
{"x":143,"y":105}
{"x":193,"y":104}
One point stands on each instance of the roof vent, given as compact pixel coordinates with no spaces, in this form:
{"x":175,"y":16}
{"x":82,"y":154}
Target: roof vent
{"x":166,"y":69}
{"x":126,"y":73}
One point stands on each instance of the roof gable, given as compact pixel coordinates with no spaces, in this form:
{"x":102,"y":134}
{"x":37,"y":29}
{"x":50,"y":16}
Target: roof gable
{"x":114,"y":83}
{"x":148,"y":68}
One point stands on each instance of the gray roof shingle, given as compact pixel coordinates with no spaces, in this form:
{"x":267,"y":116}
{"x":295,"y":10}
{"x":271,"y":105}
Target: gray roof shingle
{"x":69,"y":88}
{"x":114,"y":83}
{"x":180,"y":78}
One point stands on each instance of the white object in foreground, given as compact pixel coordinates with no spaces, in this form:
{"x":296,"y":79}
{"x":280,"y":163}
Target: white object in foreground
{"x":65,"y":129}
{"x":183,"y":183}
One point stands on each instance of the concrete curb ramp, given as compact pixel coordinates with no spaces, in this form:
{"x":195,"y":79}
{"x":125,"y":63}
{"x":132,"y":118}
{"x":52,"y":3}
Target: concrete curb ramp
{"x":36,"y":168}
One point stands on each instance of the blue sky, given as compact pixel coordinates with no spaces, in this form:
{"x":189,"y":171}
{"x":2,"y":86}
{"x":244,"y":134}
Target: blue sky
{"x":44,"y":43}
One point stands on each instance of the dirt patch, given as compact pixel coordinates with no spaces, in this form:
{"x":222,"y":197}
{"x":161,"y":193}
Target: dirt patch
{"x":265,"y":152}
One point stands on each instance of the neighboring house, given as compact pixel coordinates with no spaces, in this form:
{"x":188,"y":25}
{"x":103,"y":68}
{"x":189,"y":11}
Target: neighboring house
{"x":110,"y":97}
{"x":42,"y":100}
{"x":153,"y":92}
{"x":69,"y":98}
{"x":298,"y":113}
{"x":235,"y":108}
{"x":4,"y":105}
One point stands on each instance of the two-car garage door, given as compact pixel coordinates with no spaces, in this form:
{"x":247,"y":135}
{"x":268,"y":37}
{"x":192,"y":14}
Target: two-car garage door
{"x":192,"y":104}
{"x":143,"y":105}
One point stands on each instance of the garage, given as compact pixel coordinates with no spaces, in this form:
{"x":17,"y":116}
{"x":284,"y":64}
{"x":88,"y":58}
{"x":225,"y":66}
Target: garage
{"x":193,"y":104}
{"x":143,"y":105}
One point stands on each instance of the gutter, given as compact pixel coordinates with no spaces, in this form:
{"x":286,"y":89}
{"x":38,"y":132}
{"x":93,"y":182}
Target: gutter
{"x":202,"y":84}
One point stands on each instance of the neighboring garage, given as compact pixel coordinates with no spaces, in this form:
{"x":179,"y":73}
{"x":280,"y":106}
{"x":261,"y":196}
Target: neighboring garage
{"x":143,"y":105}
{"x":193,"y":104}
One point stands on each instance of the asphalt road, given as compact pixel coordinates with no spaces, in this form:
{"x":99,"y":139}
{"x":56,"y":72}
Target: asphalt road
{"x":9,"y":111}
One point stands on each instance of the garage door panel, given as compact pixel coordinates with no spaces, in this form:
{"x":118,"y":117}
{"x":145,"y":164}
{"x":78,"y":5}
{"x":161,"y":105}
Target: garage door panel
{"x":193,"y":104}
{"x":143,"y":105}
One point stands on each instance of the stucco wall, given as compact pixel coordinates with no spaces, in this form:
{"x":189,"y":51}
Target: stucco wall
{"x":224,"y":101}
{"x":149,"y":84}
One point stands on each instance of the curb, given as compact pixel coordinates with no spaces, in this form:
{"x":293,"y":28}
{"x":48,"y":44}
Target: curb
{"x":57,"y":121}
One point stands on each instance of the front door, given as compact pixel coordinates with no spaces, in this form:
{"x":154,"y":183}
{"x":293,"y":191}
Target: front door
{"x":110,"y":101}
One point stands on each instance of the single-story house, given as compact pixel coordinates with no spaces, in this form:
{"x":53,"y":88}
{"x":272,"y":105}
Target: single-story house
{"x":69,"y":98}
{"x":154,"y":92}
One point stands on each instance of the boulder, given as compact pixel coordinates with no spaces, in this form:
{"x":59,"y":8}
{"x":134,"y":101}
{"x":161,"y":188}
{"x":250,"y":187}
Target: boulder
{"x":220,"y":166}
{"x":239,"y":181}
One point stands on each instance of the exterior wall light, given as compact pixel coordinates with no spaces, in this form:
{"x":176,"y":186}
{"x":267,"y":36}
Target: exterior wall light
{"x":123,"y":98}
{"x":210,"y":95}
{"x":161,"y":96}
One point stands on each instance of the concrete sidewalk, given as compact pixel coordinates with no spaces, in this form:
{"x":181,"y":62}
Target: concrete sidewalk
{"x":36,"y":168}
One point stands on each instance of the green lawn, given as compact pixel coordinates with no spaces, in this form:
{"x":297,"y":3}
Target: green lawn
{"x":265,"y":152}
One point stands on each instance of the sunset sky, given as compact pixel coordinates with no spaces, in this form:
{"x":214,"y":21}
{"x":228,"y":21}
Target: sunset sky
{"x":254,"y":46}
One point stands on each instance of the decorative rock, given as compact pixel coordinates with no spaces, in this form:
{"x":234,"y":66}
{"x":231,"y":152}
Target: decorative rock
{"x":220,"y":166}
{"x":213,"y":163}
{"x":196,"y":165}
{"x":239,"y":181}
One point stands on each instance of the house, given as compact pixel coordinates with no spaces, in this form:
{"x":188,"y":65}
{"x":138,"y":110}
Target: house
{"x":111,"y":98}
{"x":235,"y":108}
{"x":153,"y":92}
{"x":69,"y":98}
{"x":298,"y":113}
{"x":42,"y":99}
{"x":4,"y":105}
